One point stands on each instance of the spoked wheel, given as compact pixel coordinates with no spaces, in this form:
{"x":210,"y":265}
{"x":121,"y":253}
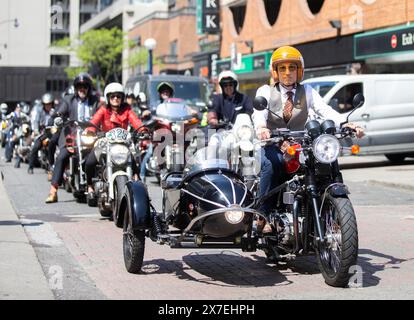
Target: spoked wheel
{"x":133,"y":244}
{"x":340,"y":250}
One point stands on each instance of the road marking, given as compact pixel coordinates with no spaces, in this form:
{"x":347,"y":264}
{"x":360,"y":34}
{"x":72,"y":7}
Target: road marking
{"x":41,"y":233}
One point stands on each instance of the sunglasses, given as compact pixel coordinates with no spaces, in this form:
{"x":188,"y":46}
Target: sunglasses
{"x":113,"y":96}
{"x":283,"y":69}
{"x":228,"y":85}
{"x":81,"y":87}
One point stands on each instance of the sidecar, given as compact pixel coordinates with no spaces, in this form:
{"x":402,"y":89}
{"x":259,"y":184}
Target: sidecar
{"x":206,"y":206}
{"x":209,"y":202}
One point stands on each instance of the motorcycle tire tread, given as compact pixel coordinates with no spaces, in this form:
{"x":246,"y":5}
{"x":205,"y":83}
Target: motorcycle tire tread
{"x":349,"y":230}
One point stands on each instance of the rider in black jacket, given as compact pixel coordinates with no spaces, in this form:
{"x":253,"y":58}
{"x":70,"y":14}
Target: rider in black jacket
{"x":230,"y":103}
{"x":81,"y":107}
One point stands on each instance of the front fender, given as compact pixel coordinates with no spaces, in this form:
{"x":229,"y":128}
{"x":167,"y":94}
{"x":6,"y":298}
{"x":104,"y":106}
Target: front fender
{"x":136,"y":198}
{"x":111,"y":183}
{"x":338,"y":190}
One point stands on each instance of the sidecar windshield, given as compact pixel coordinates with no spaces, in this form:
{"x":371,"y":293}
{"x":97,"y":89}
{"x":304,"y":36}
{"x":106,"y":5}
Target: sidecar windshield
{"x":207,"y":158}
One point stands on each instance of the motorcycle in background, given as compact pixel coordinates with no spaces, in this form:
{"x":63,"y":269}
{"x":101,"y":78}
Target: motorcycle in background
{"x":79,"y":144}
{"x":115,"y":152}
{"x":22,"y":135}
{"x":173,"y":118}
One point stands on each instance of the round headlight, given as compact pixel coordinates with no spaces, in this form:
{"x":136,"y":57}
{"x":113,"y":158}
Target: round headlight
{"x":326,"y":148}
{"x":244,"y":133}
{"x":88,"y":140}
{"x":234,"y":217}
{"x":119,"y":154}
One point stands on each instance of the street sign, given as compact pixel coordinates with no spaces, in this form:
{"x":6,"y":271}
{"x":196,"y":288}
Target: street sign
{"x":384,"y":42}
{"x":208,"y":17}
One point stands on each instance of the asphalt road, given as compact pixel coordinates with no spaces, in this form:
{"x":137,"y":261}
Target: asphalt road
{"x":87,"y":249}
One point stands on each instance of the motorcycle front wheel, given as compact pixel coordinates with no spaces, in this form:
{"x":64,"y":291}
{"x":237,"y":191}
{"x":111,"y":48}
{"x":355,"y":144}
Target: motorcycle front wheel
{"x":340,"y":250}
{"x":133,"y":244}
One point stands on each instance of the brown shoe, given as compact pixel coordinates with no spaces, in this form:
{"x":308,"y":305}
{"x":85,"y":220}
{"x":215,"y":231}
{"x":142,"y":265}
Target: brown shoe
{"x":49,"y":175}
{"x":52,"y":198}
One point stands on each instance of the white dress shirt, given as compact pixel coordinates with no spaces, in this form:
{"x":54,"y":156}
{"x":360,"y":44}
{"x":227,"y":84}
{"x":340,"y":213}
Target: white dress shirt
{"x":83,"y":110}
{"x":317,"y":108}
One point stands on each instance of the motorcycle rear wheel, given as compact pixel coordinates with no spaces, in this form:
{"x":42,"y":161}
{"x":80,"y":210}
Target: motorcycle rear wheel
{"x":133,"y":244}
{"x":337,"y":255}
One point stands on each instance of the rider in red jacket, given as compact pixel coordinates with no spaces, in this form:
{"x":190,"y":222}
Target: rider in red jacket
{"x":113,"y":114}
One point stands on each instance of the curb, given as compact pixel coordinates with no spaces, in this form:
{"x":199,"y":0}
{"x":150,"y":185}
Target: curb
{"x":22,"y":277}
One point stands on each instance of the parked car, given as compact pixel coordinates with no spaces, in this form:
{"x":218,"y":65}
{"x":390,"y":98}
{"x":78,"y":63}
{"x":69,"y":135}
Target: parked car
{"x":387,"y":115}
{"x":194,"y":90}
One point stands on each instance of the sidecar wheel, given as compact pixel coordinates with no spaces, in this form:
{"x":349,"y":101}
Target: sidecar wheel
{"x":133,"y":245}
{"x":337,"y":255}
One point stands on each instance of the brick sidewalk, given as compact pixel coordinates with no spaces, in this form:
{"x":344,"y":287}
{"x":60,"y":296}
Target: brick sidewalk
{"x":386,"y":257}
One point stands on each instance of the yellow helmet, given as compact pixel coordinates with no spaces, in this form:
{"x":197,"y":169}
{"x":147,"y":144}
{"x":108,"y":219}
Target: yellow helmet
{"x":287,"y":54}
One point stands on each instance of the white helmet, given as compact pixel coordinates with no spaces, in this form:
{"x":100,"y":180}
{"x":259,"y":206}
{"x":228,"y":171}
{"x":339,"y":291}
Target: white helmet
{"x":4,"y":108}
{"x":113,"y":87}
{"x":228,"y":76}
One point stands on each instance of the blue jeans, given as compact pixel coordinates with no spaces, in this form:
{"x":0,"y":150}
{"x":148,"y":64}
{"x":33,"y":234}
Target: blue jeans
{"x":271,"y":174}
{"x":143,"y":169}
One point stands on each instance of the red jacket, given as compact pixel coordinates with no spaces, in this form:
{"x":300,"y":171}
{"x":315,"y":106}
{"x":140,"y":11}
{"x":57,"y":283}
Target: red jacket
{"x":107,"y":119}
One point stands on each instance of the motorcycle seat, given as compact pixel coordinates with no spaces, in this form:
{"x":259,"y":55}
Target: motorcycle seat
{"x":171,"y":181}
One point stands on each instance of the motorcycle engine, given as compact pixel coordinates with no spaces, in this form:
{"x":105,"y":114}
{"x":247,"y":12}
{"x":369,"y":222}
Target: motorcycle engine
{"x":284,"y":226}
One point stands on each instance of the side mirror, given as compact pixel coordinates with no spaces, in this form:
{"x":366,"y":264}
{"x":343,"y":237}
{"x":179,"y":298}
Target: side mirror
{"x":260,"y":103}
{"x":358,"y":100}
{"x":334,"y":103}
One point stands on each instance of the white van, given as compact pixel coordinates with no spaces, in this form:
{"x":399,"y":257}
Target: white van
{"x":387,"y":115}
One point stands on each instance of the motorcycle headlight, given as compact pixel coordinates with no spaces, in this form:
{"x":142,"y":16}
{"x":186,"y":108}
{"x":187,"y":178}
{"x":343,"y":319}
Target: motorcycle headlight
{"x":54,"y":130}
{"x":326,"y":148}
{"x":87,"y":140}
{"x":244,"y":133}
{"x":176,"y":127}
{"x":119,"y":154}
{"x":234,"y":217}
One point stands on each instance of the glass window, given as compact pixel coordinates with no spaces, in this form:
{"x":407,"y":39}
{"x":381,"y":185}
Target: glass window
{"x":342,"y":100}
{"x":322,"y":87}
{"x":192,"y":92}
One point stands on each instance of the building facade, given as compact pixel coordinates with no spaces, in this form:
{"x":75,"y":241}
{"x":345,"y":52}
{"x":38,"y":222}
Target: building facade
{"x":29,"y":64}
{"x":326,"y":32}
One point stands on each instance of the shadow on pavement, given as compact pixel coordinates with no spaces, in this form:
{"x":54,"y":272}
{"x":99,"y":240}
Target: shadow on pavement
{"x":225,"y":269}
{"x":370,"y":269}
{"x":10,"y":223}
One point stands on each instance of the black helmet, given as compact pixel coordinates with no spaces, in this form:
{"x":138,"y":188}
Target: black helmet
{"x":83,"y":78}
{"x":166,"y":85}
{"x":47,"y":98}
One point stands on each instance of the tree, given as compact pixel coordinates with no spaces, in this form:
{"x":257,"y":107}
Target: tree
{"x":100,"y":52}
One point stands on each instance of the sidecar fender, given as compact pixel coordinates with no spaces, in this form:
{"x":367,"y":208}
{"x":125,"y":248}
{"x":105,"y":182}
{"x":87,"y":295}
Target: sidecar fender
{"x":137,"y":199}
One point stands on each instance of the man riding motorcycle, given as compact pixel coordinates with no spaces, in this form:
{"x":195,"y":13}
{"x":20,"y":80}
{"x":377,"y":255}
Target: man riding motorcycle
{"x":227,"y":105}
{"x":165,"y":92}
{"x":40,"y":121}
{"x":79,"y":107}
{"x":292,"y":106}
{"x":15,"y":120}
{"x":114,"y":114}
{"x":3,"y":118}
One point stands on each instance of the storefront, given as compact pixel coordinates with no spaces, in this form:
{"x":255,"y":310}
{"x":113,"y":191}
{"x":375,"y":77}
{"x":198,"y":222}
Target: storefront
{"x":388,"y":50}
{"x":325,"y":57}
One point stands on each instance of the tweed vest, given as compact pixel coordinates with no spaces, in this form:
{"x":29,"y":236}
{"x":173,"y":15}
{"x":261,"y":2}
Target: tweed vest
{"x":299,"y":114}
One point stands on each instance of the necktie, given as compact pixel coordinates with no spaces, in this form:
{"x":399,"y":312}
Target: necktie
{"x":287,"y":109}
